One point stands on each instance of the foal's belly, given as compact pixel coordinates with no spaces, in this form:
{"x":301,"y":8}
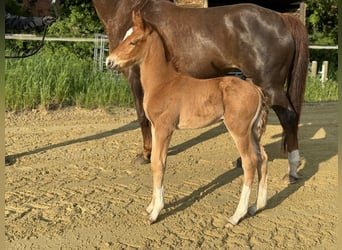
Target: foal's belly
{"x":196,"y":123}
{"x":200,"y":103}
{"x":193,"y":118}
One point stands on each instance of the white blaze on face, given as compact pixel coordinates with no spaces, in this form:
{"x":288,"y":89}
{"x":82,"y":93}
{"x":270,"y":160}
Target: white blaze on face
{"x":128,"y":32}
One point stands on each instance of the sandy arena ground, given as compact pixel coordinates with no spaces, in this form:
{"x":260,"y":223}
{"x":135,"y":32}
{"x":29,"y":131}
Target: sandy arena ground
{"x":72,"y":186}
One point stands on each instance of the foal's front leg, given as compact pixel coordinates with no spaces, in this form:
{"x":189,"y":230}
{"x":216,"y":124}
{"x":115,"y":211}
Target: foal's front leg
{"x":160,"y":142}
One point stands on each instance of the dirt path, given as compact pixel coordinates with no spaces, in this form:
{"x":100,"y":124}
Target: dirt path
{"x":72,"y":185}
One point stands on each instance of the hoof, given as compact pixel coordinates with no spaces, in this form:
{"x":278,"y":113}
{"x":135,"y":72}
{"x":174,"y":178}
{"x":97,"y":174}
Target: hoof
{"x":252,"y":210}
{"x":231,"y":223}
{"x":289,"y":179}
{"x":140,"y":160}
{"x":150,"y":221}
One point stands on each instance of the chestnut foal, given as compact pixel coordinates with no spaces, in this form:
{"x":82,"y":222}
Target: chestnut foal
{"x":173,"y":100}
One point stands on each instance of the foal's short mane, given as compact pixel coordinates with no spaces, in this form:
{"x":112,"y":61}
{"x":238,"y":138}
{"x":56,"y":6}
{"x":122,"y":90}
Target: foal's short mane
{"x":169,"y":54}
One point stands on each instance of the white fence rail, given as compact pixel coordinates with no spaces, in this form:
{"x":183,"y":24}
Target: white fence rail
{"x":79,"y":39}
{"x":39,"y":38}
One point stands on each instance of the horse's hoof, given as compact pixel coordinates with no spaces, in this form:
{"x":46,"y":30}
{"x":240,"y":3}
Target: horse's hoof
{"x":140,"y":160}
{"x":289,"y":179}
{"x":150,"y":221}
{"x":252,"y":210}
{"x":231,"y":223}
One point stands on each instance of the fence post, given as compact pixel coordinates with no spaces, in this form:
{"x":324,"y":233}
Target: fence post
{"x":314,"y":68}
{"x":302,"y":11}
{"x":324,"y":72}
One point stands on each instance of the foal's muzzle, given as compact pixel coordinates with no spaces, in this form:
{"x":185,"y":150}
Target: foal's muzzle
{"x":112,"y":64}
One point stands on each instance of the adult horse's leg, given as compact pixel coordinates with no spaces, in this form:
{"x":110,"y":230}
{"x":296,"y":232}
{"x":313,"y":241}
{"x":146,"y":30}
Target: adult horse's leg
{"x":289,"y":120}
{"x":249,"y":163}
{"x":289,"y":113}
{"x":138,"y":95}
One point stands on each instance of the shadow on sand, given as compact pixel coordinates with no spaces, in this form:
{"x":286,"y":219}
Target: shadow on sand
{"x":11,"y":159}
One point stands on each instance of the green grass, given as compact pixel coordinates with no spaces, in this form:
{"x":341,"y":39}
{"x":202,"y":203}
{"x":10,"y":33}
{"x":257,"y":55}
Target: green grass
{"x":49,"y":81}
{"x":320,"y":92}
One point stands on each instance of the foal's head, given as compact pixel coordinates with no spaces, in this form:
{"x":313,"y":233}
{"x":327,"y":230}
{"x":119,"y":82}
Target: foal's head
{"x":132,"y":49}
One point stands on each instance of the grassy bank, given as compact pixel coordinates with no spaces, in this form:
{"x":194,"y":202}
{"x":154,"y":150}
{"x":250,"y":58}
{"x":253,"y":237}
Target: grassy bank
{"x":48,"y":81}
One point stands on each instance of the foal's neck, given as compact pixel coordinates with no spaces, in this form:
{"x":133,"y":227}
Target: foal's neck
{"x":155,"y":68}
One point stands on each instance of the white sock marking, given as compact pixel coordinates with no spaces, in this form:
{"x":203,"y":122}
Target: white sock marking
{"x":242,"y":208}
{"x":294,"y":162}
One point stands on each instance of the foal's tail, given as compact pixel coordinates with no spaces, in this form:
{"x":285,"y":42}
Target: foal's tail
{"x":297,"y":75}
{"x":260,"y":121}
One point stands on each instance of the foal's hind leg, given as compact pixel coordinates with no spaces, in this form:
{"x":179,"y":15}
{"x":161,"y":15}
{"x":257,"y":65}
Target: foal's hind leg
{"x":262,"y":183}
{"x":249,"y":163}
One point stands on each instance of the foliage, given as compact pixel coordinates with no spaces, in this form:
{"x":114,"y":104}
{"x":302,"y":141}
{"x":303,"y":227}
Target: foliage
{"x":322,"y":25}
{"x":12,"y":7}
{"x":322,"y":18}
{"x":331,"y":56}
{"x":316,"y":91}
{"x":76,"y":19}
{"x":51,"y":81}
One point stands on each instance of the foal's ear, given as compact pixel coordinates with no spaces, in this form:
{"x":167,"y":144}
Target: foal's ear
{"x":137,"y":20}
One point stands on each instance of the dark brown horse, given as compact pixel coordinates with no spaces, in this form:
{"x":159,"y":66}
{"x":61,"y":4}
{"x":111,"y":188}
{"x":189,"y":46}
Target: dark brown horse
{"x":175,"y":100}
{"x":270,"y":48}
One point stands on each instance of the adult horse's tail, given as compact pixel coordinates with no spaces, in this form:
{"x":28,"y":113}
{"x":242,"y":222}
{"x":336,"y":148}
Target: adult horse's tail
{"x":297,"y":75}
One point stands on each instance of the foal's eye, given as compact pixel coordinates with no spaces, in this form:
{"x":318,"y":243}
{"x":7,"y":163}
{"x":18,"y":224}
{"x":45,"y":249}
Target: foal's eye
{"x":133,"y":43}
